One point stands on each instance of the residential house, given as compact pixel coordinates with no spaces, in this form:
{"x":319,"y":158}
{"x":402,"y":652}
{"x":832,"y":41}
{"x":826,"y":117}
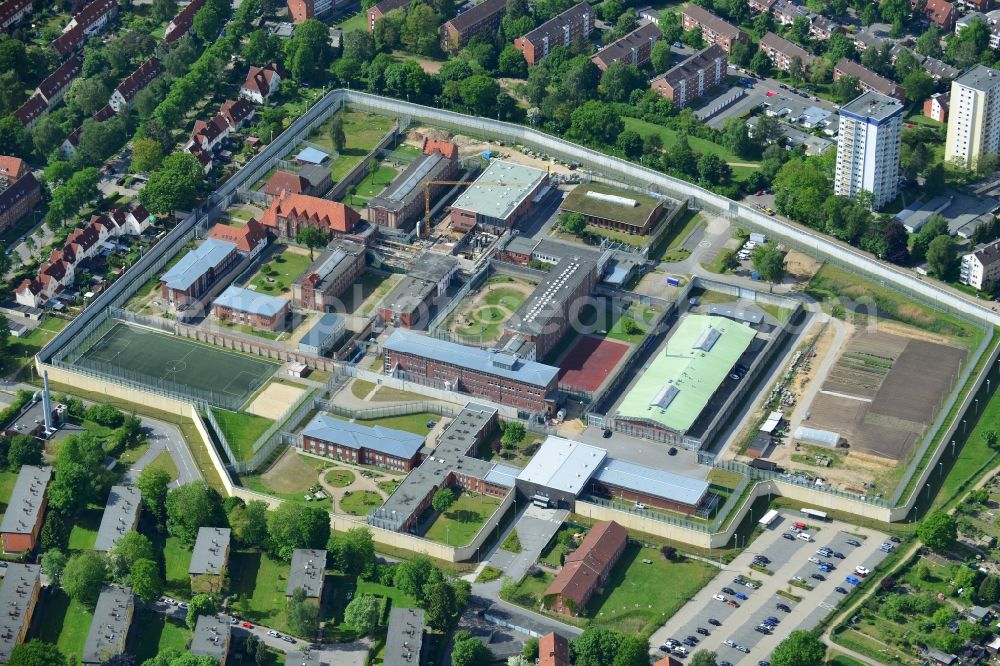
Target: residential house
{"x":92,"y":18}
{"x":482,"y":18}
{"x":110,"y":625}
{"x":262,"y":82}
{"x":12,"y":11}
{"x":941,"y":13}
{"x":694,"y":76}
{"x":302,"y":10}
{"x":289,"y":213}
{"x":981,"y":269}
{"x":49,"y":92}
{"x":18,"y":597}
{"x":210,"y":560}
{"x":761,"y":6}
{"x":714,"y":30}
{"x":785,"y":12}
{"x":782,"y":52}
{"x":586,"y":569}
{"x":404,"y":639}
{"x":182,"y":22}
{"x":237,"y":113}
{"x":553,"y":650}
{"x":822,"y":28}
{"x":31,"y":111}
{"x":69,"y":41}
{"x":207,"y":136}
{"x":936,"y":107}
{"x":868,"y":80}
{"x":125,"y":92}
{"x":19,"y":191}
{"x":560,"y":30}
{"x":634,"y":48}
{"x":25,"y":510}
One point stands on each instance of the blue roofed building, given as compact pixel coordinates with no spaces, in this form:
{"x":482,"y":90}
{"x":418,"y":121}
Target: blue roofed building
{"x":319,"y":339}
{"x":361,"y":444}
{"x":198,"y":270}
{"x":500,"y":377}
{"x":242,"y":306}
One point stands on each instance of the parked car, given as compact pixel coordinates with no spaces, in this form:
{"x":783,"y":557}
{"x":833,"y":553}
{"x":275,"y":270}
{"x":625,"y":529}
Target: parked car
{"x":784,"y":608}
{"x":789,"y":536}
{"x":703,"y":631}
{"x":853,"y":580}
{"x":672,"y":451}
{"x":272,"y":632}
{"x":862,"y":570}
{"x":853,"y":542}
{"x":840,"y":590}
{"x":246,"y":625}
{"x":752,"y":585}
{"x":825,"y":552}
{"x":728,"y":590}
{"x":606,"y":434}
{"x":814,"y":559}
{"x":743,"y":648}
{"x":741,"y":596}
{"x":839,"y":555}
{"x":739,"y":580}
{"x":718,"y":597}
{"x":729,"y":642}
{"x":818,"y":577}
{"x":715,"y":623}
{"x":895,"y":539}
{"x":770,"y":619}
{"x":732,"y":604}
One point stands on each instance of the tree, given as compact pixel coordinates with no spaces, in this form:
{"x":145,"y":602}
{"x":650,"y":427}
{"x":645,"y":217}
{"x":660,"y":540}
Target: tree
{"x":441,"y":606}
{"x":152,"y":484}
{"x":24,"y":450}
{"x":84,"y":577}
{"x":469,"y":651}
{"x":53,"y":564}
{"x":36,"y":653}
{"x":929,"y":42}
{"x":308,"y":53}
{"x":512,"y":63}
{"x":661,"y":56}
{"x":574,"y":223}
{"x":596,"y":647}
{"x":163,"y":10}
{"x":942,"y":257}
{"x":145,"y":579}
{"x":191,"y":507}
{"x":249,"y":523}
{"x":262,"y":47}
{"x":175,"y":185}
{"x":411,"y":576}
{"x":337,"y":136}
{"x":713,"y":169}
{"x":989,"y":590}
{"x":47,"y":135}
{"x":596,"y":122}
{"x":311,"y":237}
{"x":760,"y":64}
{"x":295,"y":526}
{"x":845,"y":89}
{"x":801,"y":648}
{"x":938,"y":531}
{"x":14,"y":139}
{"x":478,"y":93}
{"x":619,"y":80}
{"x":303,"y":614}
{"x":200,"y":604}
{"x":918,"y":85}
{"x":703,"y":658}
{"x":420,"y":34}
{"x":633,"y":651}
{"x":531,"y":649}
{"x":147,"y":154}
{"x":991,"y":438}
{"x":128,"y":550}
{"x":105,"y":415}
{"x":362,"y":614}
{"x":769,"y":262}
{"x":443,"y":499}
{"x":208,"y":23}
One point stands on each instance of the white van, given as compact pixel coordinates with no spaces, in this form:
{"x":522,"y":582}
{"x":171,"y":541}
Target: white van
{"x":680,"y":649}
{"x":805,"y":536}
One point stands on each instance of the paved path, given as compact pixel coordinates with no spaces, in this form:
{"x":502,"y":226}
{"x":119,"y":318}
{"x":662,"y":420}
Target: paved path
{"x":535,"y":528}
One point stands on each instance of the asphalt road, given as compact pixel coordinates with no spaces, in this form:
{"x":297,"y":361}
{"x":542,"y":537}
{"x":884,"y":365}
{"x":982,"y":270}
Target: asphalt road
{"x":788,"y":559}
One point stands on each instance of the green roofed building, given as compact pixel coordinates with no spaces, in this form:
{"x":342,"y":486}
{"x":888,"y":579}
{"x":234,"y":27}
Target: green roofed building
{"x":613,"y":208}
{"x":681,"y":380}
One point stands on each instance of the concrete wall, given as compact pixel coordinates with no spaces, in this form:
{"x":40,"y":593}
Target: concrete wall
{"x":645,"y":524}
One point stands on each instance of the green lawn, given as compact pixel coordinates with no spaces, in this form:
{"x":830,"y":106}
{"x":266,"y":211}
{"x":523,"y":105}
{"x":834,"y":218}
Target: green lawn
{"x":165,"y":462}
{"x":361,"y":388}
{"x":613,"y":322}
{"x":177,"y":560}
{"x":643,"y":596}
{"x":374,"y":287}
{"x":974,"y":455}
{"x":64,"y":622}
{"x":84,"y":532}
{"x":259,"y":583}
{"x":7,"y":481}
{"x":415,"y":423}
{"x":370,"y":186}
{"x":359,"y":502}
{"x":363,"y":132}
{"x":342,"y":587}
{"x":157,"y":636}
{"x":241,"y":429}
{"x":340,"y":478}
{"x":19,"y":352}
{"x":682,"y":227}
{"x":699,"y":145}
{"x":281,"y":269}
{"x":356,"y":22}
{"x":463,"y":520}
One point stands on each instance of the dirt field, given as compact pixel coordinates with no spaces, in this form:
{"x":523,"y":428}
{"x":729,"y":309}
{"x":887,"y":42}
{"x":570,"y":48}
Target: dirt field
{"x":800,"y":267}
{"x":482,"y":314}
{"x":291,"y":474}
{"x":590,"y":361}
{"x":274,"y":400}
{"x":472,"y":147}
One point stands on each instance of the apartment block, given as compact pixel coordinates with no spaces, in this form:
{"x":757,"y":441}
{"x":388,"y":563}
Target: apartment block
{"x":713,"y":29}
{"x":974,"y":116}
{"x":981,"y":269}
{"x":484,"y":17}
{"x":781,"y":52}
{"x":868,"y":148}
{"x":558,"y":31}
{"x":691,"y":78}
{"x":634,"y":48}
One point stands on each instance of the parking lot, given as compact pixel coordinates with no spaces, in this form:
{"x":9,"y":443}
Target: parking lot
{"x":788,"y":558}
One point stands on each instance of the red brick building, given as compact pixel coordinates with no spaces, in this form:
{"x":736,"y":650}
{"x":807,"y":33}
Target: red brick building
{"x":713,"y":29}
{"x":361,"y":444}
{"x":249,"y":238}
{"x":251,"y":308}
{"x":560,"y":30}
{"x":198,"y":270}
{"x":379,"y":10}
{"x":936,"y":107}
{"x":691,"y":78}
{"x":19,"y":191}
{"x":634,"y":48}
{"x":501,"y":378}
{"x":289,"y":213}
{"x":26,"y":510}
{"x":867,"y":79}
{"x":586,"y":569}
{"x":484,"y":17}
{"x":553,"y":650}
{"x":781,"y":52}
{"x":336,"y":269}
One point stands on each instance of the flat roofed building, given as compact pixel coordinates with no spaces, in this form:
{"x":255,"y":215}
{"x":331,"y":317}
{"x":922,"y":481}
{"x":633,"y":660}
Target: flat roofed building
{"x":973,"y":117}
{"x":484,"y":17}
{"x":868,"y":148}
{"x":560,"y":30}
{"x":325,"y":333}
{"x":209,"y":559}
{"x":587,"y":568}
{"x":553,"y":650}
{"x":18,"y":596}
{"x":121,"y":515}
{"x":692,"y":78}
{"x":613,"y":208}
{"x":502,"y":195}
{"x":405,"y":637}
{"x":499,"y":377}
{"x":409,"y":303}
{"x":361,"y":444}
{"x":403,"y":201}
{"x":109,"y":628}
{"x":198,"y":270}
{"x":243,"y":306}
{"x":630,"y":482}
{"x":307,"y":572}
{"x":560,"y":470}
{"x":635,"y":48}
{"x":26,"y":509}
{"x":211,"y":638}
{"x":333,"y":272}
{"x":713,"y":29}
{"x":681,"y":380}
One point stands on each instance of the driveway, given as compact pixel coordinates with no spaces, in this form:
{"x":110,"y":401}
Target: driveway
{"x":535,"y":528}
{"x":788,"y":558}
